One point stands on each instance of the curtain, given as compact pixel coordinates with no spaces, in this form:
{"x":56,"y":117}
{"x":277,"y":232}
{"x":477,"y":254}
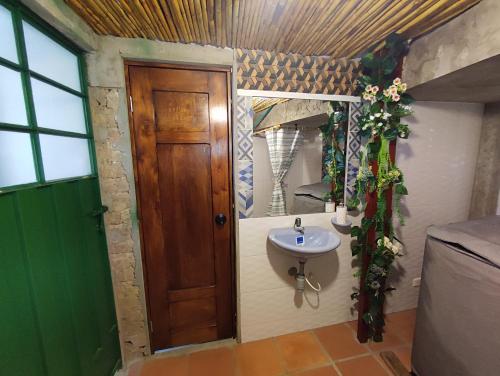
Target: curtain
{"x":283,"y":145}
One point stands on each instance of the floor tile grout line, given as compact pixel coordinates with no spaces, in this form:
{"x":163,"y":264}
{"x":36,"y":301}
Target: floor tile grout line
{"x":232,"y":346}
{"x":332,"y":362}
{"x":280,"y":353}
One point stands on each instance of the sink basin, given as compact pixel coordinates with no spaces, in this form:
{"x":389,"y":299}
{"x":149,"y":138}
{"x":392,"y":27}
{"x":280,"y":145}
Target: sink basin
{"x":316,"y":241}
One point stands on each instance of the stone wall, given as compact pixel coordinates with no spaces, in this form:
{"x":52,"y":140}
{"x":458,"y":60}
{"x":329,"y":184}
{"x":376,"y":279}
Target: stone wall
{"x":116,"y":194}
{"x":469,"y":38}
{"x":109,"y":109}
{"x":485,"y":199}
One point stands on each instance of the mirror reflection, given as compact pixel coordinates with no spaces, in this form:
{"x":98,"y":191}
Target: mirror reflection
{"x":299,"y":155}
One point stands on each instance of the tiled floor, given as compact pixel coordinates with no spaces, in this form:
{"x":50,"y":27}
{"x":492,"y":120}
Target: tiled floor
{"x":328,"y":351}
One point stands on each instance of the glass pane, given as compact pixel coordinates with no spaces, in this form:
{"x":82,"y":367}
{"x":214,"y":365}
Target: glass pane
{"x":51,"y":59}
{"x":7,"y":37}
{"x":57,"y":109}
{"x":12,"y":108}
{"x":64,"y":157}
{"x":16,"y":159}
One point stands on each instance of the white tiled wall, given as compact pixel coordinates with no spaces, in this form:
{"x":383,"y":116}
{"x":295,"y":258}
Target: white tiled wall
{"x":439,"y":162}
{"x":269,"y":305}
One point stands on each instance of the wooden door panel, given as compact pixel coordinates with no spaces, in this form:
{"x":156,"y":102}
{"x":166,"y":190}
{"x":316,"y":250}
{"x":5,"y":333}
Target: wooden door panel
{"x":186,"y":207}
{"x":194,"y":335}
{"x":193,"y":313}
{"x":219,"y":119}
{"x":149,"y":202}
{"x":181,"y":112}
{"x":180,"y":80}
{"x":181,"y":134}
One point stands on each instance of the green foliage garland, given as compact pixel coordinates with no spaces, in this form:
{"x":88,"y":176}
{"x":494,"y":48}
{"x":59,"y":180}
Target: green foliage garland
{"x":385,"y":103}
{"x":334,"y":137}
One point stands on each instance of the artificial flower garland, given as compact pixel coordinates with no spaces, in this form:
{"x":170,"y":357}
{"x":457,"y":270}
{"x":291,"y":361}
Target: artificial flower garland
{"x":380,"y":123}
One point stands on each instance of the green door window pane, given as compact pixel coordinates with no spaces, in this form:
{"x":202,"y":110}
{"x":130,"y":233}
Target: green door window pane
{"x":57,"y":109}
{"x":8,"y":48}
{"x":12,"y":107}
{"x":16,"y":159}
{"x":50,"y":59}
{"x":64,"y":157}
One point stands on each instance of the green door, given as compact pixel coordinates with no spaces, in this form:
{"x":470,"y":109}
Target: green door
{"x":57,"y":314}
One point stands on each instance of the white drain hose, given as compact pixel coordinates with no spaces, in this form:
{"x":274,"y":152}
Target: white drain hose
{"x":317,"y":289}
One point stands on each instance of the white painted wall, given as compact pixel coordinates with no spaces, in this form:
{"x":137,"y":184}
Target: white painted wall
{"x":438,"y":160}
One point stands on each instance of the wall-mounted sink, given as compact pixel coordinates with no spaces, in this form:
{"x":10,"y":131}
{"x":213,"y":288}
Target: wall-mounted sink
{"x":314,"y":241}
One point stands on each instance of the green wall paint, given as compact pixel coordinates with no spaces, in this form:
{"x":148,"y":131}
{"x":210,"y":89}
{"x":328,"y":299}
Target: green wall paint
{"x":57,"y":314}
{"x":56,"y":298}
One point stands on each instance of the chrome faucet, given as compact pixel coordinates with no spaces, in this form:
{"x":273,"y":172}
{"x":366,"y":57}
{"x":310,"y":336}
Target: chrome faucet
{"x":297,"y":226}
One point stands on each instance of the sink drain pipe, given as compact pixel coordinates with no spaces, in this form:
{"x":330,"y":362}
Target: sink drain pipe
{"x":301,"y":278}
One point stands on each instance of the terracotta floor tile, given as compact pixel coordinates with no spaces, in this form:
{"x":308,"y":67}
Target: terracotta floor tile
{"x":362,"y":366}
{"x":339,"y":341}
{"x":301,"y":350}
{"x":405,"y":317}
{"x":259,"y":358}
{"x":404,"y":354}
{"x":217,"y":362}
{"x":353,"y":324}
{"x":402,"y":324}
{"x":323,"y":371}
{"x":175,"y":366}
{"x":390,"y":340}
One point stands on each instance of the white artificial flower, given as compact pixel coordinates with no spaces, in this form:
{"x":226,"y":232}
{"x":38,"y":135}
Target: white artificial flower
{"x":395,"y":249}
{"x":378,"y":114}
{"x":387,"y":241}
{"x":397,"y":81}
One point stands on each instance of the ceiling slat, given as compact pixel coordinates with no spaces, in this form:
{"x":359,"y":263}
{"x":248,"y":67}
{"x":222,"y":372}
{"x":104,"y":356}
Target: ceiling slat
{"x":339,"y":28}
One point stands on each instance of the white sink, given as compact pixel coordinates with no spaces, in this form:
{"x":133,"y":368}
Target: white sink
{"x":315,"y":242}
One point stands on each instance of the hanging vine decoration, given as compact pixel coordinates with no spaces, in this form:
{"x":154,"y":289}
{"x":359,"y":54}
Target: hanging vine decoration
{"x":385,"y":104}
{"x":334,"y":138}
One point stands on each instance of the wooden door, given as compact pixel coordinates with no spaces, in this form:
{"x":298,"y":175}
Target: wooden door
{"x":181,"y":131}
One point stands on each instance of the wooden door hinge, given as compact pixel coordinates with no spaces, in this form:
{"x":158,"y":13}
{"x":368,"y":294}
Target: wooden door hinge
{"x":151,"y":326}
{"x":131,"y":104}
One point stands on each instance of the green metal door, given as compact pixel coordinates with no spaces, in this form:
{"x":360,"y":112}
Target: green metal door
{"x":57,"y":314}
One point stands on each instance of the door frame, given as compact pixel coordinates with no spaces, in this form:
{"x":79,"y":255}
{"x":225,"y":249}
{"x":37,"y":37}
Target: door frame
{"x":206,"y":68}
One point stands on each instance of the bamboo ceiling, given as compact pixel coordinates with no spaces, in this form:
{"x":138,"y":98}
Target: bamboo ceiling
{"x":339,"y":28}
{"x":260,"y":104}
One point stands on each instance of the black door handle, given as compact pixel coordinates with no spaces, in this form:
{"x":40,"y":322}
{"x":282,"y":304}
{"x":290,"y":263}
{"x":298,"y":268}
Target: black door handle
{"x":220,"y":219}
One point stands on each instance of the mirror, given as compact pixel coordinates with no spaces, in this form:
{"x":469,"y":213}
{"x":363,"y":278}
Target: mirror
{"x":298,"y":155}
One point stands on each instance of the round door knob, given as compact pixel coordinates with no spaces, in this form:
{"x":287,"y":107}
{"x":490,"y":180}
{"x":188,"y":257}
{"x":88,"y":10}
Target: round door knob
{"x":220,"y":219}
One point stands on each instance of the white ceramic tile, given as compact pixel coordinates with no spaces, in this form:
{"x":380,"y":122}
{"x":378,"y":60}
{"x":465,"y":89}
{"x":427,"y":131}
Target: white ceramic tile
{"x":438,"y":161}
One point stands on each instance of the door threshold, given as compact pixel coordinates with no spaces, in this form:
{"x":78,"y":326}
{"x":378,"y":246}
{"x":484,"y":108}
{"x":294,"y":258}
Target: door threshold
{"x":188,"y":349}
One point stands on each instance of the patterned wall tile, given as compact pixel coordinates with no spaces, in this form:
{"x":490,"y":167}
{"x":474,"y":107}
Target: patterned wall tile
{"x":244,"y":130}
{"x":264,"y":70}
{"x":353,"y":149}
{"x":245,"y":144}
